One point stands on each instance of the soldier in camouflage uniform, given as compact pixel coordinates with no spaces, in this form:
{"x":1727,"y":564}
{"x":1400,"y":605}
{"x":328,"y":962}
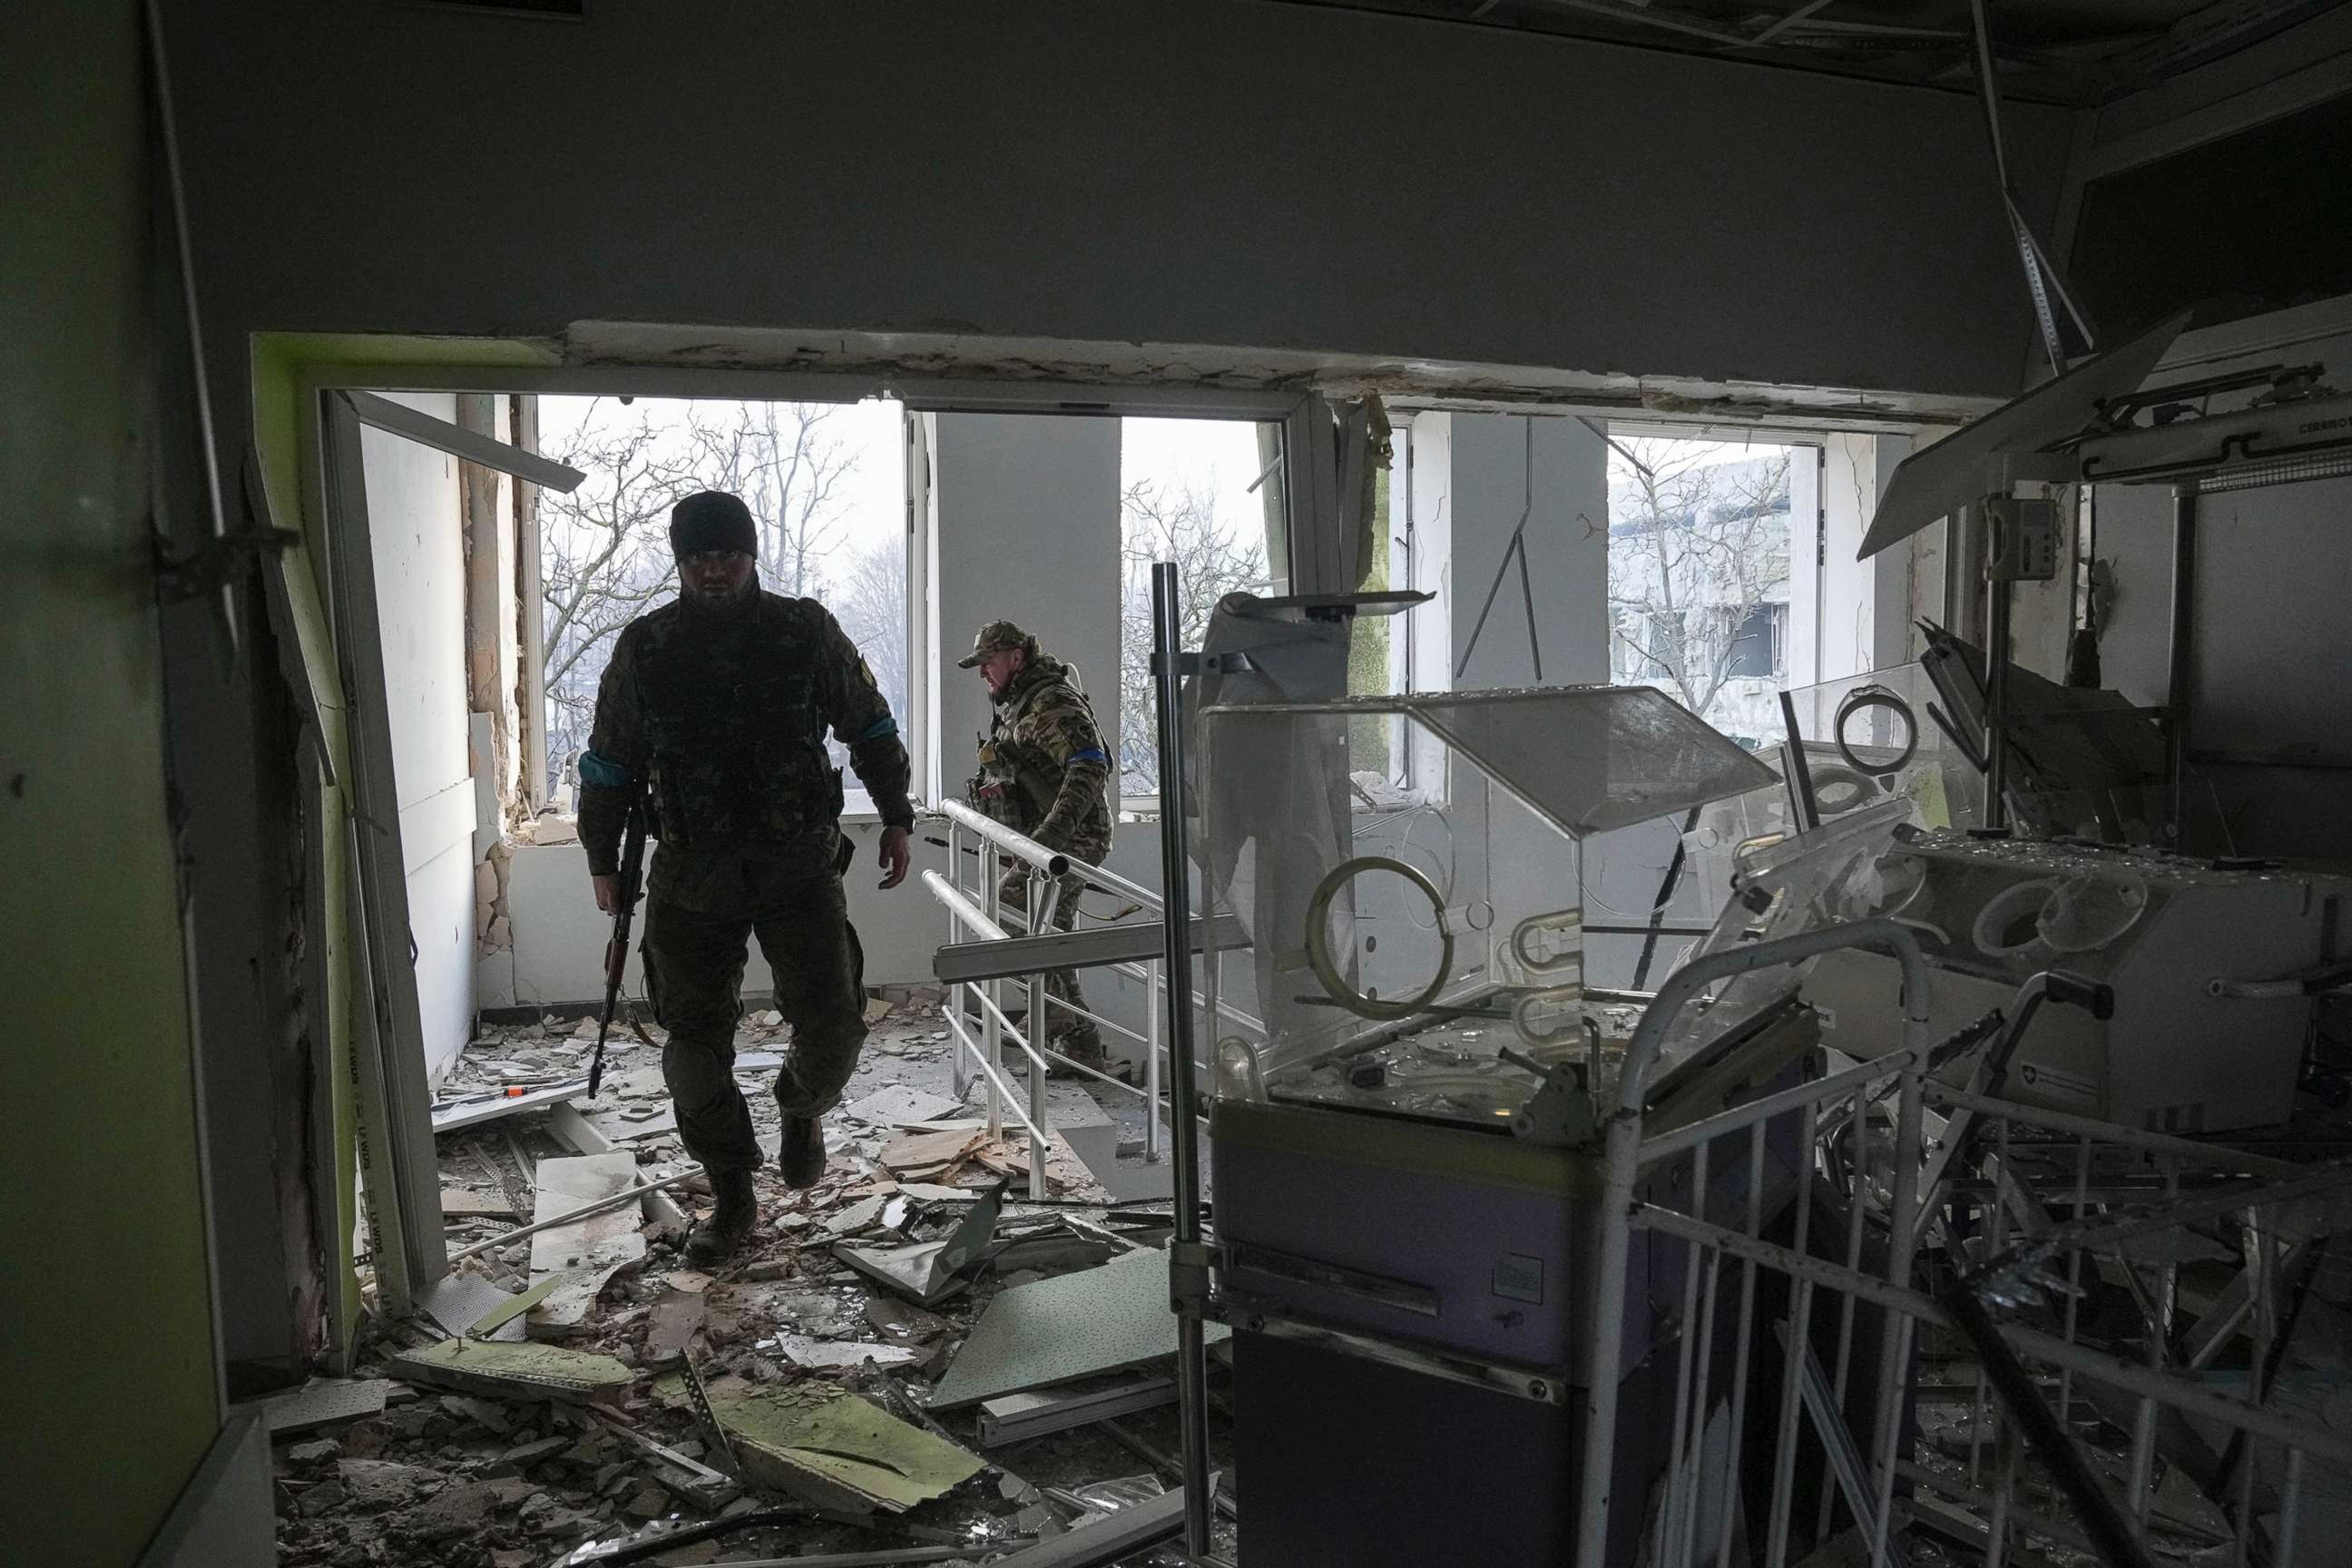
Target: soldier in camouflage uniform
{"x":1043,"y":769}
{"x":717,"y":706}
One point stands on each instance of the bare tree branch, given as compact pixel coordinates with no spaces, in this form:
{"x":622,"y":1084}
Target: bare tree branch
{"x":1700,"y":549}
{"x":1177,"y":523}
{"x":605,"y":549}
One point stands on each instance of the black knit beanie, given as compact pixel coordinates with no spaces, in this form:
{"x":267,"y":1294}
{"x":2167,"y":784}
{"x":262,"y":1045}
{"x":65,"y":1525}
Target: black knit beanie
{"x":712,"y":519}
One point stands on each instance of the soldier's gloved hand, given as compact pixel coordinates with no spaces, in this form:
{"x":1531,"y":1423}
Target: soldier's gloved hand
{"x":1012,"y":891}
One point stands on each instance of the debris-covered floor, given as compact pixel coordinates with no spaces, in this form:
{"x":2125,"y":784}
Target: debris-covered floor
{"x":540,"y":1406}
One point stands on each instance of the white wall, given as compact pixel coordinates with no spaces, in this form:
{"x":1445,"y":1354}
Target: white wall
{"x":1027,"y":530}
{"x":1153,"y":172}
{"x":2273,"y":668}
{"x":1428,"y":630}
{"x":416,"y":531}
{"x":1567,"y":548}
{"x":559,"y":937}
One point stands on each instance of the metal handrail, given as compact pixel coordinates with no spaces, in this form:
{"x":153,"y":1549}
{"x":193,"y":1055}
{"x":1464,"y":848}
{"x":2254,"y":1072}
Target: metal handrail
{"x":965,"y":913}
{"x":1019,"y":845}
{"x":1053,"y":862}
{"x":962,"y":907}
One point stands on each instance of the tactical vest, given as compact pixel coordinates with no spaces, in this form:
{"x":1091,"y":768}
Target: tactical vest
{"x":734,"y":737}
{"x":1016,"y":783}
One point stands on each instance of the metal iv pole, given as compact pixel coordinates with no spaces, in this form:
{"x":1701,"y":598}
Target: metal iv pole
{"x":1188,"y":1259}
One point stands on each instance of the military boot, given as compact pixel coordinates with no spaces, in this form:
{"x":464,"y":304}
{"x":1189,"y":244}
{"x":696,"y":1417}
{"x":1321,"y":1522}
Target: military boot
{"x":800,"y":1154}
{"x":731,"y":1222}
{"x":1082,"y":1043}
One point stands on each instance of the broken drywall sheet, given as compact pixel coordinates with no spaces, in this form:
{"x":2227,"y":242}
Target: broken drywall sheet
{"x":589,"y":1251}
{"x":1078,"y":1325}
{"x":459,"y":1301}
{"x":672,"y":1324}
{"x":323,"y":1400}
{"x":840,"y":1452}
{"x":901,"y":1104}
{"x":928,"y":1272}
{"x":832,"y":1355}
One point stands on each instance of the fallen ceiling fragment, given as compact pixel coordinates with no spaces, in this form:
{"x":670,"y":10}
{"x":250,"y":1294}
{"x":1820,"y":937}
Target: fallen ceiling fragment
{"x":1078,"y":1325}
{"x":841,"y":1452}
{"x":523,"y":1371}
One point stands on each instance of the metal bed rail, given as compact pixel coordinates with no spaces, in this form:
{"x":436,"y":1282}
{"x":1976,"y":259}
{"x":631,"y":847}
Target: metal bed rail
{"x":2022,"y":1220}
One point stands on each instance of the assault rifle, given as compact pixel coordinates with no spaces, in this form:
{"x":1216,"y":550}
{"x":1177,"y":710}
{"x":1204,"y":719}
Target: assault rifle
{"x":627,"y":886}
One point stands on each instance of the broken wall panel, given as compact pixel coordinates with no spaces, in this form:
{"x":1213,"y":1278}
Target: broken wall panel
{"x":1078,"y":1325}
{"x":417,"y":534}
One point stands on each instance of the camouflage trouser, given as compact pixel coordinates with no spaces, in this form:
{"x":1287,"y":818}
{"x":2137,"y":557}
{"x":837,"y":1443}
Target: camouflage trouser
{"x":694,"y":965}
{"x":1073,"y":1036}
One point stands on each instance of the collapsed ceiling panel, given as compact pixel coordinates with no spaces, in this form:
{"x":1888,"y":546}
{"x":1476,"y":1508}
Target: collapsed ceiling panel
{"x":2050,"y":51}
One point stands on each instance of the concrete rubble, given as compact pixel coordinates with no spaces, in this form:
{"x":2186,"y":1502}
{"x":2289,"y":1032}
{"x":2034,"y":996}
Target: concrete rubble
{"x":812,"y":1434}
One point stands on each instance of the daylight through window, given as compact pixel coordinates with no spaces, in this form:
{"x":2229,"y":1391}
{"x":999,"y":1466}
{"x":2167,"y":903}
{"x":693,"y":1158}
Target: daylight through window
{"x":1202,"y":493}
{"x":1698,"y":576}
{"x":826,"y":482}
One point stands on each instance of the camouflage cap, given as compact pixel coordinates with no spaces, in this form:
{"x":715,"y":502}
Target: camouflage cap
{"x":993,"y":637}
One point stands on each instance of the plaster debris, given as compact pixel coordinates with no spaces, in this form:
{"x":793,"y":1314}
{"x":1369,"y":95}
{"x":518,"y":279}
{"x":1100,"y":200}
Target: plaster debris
{"x":589,"y":1251}
{"x":832,"y":1355}
{"x":499,"y":1454}
{"x":322,"y":1401}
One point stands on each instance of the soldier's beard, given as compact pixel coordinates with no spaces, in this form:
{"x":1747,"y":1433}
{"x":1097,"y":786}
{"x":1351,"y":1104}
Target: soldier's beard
{"x":722,"y":601}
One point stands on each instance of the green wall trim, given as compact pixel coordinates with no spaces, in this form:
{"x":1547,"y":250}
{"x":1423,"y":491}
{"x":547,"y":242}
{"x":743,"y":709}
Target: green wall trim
{"x":281,"y":366}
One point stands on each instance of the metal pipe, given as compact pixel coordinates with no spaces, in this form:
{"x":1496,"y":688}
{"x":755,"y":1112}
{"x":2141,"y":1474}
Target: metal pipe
{"x":1045,"y":894}
{"x":628,"y":1195}
{"x":991,"y":1072}
{"x":1018,"y":845}
{"x":1152,"y":1064}
{"x":991,"y":1057}
{"x":2110,"y":1133}
{"x":1685,"y":983}
{"x":1747,"y":1327}
{"x":962,"y":907}
{"x":2332,"y":975}
{"x":1765,"y":1109}
{"x":959,"y":1076}
{"x":1110,"y":881}
{"x":1187,"y":1268}
{"x":2107,"y":1526}
{"x":2183,"y":656}
{"x":1996,"y":732}
{"x":1798,"y":1328}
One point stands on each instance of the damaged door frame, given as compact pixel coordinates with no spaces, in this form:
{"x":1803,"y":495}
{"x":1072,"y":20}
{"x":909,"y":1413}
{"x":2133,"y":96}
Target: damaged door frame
{"x":398,"y":1161}
{"x":400,"y":1168}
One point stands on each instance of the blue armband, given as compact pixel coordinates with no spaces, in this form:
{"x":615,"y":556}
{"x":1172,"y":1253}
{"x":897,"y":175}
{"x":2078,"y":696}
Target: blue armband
{"x":603,"y":771}
{"x":1091,"y":755}
{"x":882,"y":729}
